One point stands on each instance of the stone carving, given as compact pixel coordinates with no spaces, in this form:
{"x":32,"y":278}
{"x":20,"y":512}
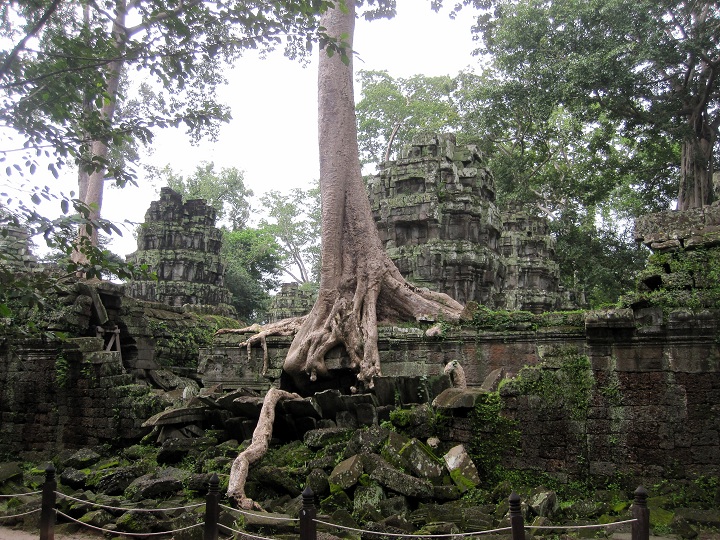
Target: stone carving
{"x":291,"y":301}
{"x":180,"y":243}
{"x":436,"y":214}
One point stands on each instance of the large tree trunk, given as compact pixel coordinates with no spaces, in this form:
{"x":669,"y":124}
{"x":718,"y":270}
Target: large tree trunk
{"x":696,"y":165}
{"x":359,"y":284}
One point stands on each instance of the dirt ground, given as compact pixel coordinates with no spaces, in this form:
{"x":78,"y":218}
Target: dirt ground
{"x":7,"y":533}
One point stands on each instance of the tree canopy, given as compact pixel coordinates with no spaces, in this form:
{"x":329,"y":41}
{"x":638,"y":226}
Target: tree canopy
{"x":648,"y":66}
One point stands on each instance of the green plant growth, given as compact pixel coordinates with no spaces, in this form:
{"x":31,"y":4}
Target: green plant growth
{"x":562,"y":380}
{"x":493,"y":436}
{"x":178,"y":341}
{"x":687,"y":279}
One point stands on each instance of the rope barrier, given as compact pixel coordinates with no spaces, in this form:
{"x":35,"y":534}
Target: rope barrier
{"x":246,"y":513}
{"x":243,"y":533}
{"x":409,"y":535}
{"x":138,"y":535}
{"x":125,"y":509}
{"x":21,"y":515}
{"x":571,"y":527}
{"x":20,"y":494}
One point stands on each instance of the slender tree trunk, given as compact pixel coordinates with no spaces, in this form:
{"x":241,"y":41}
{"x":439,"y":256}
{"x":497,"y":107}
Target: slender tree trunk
{"x":91,"y":184}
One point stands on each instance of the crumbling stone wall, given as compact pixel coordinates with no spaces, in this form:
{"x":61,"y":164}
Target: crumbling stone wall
{"x":180,"y":243}
{"x":291,"y":301}
{"x":437,"y":218}
{"x":67,"y":395}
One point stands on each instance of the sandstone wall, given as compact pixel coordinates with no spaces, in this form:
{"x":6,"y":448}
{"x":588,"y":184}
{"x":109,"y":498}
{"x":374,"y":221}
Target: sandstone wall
{"x":67,"y":395}
{"x":650,"y":411}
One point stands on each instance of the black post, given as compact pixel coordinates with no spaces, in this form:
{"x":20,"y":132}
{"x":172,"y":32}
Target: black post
{"x":641,"y":512}
{"x":47,"y":510}
{"x":517,"y":525}
{"x":308,"y":513}
{"x":212,"y":509}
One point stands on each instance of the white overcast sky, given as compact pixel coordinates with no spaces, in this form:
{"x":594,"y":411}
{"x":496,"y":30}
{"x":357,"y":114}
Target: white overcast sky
{"x":273,"y":134}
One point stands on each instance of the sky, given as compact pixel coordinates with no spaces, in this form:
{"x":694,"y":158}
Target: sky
{"x":273,"y":134}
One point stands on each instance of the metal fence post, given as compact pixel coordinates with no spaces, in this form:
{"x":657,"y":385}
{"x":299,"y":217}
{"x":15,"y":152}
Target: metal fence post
{"x":641,"y":512}
{"x":308,"y":513}
{"x":517,"y":524}
{"x":47,"y":510}
{"x":212,"y":509}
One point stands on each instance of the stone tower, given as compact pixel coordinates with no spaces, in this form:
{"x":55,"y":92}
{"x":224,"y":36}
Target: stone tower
{"x":532,"y":280}
{"x":180,"y":243}
{"x":435,"y":211}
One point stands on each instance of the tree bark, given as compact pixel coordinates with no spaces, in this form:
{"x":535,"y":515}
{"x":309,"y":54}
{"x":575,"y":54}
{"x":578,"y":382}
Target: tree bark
{"x":91,"y":184}
{"x":359,"y":284}
{"x":696,"y":165}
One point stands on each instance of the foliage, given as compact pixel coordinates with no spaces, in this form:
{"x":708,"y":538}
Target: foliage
{"x":178,"y":341}
{"x":564,"y":379}
{"x":483,"y":318}
{"x":294,"y":220}
{"x":225,"y":190}
{"x":25,"y":287}
{"x":493,"y":436}
{"x":647,"y":67}
{"x":393,"y":109}
{"x":253,"y":259}
{"x":681,"y":279}
{"x":58,"y":75}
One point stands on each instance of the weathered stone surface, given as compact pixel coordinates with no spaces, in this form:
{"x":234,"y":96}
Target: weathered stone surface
{"x":180,"y":243}
{"x":421,"y":461}
{"x":73,"y":478}
{"x":317,"y":480}
{"x":83,"y":458}
{"x":458,"y":398}
{"x":10,"y":471}
{"x":136,"y":522}
{"x":161,"y":483}
{"x":402,"y":483}
{"x":461,"y":467}
{"x":183,"y":415}
{"x":366,"y":502}
{"x":318,"y":438}
{"x":347,"y":472}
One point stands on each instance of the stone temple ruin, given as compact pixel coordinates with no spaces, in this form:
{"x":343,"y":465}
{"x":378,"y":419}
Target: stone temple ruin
{"x":180,"y":243}
{"x":650,"y":374}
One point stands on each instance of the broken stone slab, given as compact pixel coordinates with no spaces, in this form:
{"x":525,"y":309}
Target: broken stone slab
{"x":421,"y":461}
{"x":366,"y":441}
{"x":319,"y":438}
{"x":366,"y":501}
{"x":303,"y":407}
{"x":458,"y":398}
{"x":279,"y":478}
{"x":248,"y":406}
{"x":10,"y":471}
{"x":83,"y":458}
{"x":462,"y":470}
{"x":347,"y":472}
{"x":185,"y":415}
{"x":267,"y":519}
{"x":394,"y":445}
{"x":330,"y":402}
{"x":491,"y":382}
{"x":163,"y":482}
{"x":402,"y":483}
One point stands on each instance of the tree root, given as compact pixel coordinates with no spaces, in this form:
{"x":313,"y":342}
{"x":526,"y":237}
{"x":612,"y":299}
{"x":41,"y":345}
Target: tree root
{"x":257,"y":449}
{"x":284,"y":327}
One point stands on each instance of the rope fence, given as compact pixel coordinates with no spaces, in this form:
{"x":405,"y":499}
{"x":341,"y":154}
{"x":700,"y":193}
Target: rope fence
{"x":308,"y":521}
